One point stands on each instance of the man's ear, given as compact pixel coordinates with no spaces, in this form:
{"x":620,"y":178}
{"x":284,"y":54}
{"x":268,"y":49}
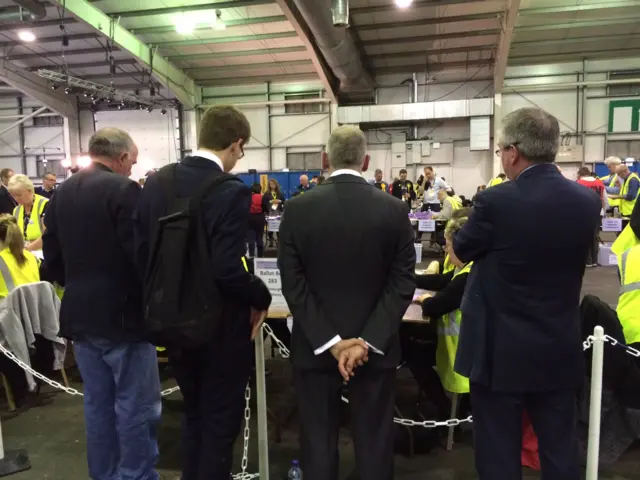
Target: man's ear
{"x":325,"y":161}
{"x":365,"y":164}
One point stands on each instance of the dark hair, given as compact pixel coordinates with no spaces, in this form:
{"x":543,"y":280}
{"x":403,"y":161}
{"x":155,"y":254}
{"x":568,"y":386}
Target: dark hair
{"x":451,"y":192}
{"x":584,"y":172}
{"x":256,"y":188}
{"x":314,"y":177}
{"x":277,"y":185}
{"x":4,"y":173}
{"x":402,"y":171}
{"x":502,"y":176}
{"x":221,"y":125}
{"x":429,"y":168}
{"x":321,"y":179}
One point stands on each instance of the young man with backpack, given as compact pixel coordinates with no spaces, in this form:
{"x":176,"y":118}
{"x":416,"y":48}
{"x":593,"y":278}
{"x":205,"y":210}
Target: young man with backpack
{"x":199,"y":299}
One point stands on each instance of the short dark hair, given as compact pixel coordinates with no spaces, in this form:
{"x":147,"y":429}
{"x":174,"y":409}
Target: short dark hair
{"x":256,"y":188}
{"x":502,"y":175}
{"x":402,"y":171}
{"x":321,"y":179}
{"x":4,"y":173}
{"x":429,"y":168}
{"x":584,"y":172}
{"x":221,"y":125}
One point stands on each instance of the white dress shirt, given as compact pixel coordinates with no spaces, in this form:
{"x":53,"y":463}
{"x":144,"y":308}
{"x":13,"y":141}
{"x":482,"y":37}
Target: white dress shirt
{"x":209,"y":156}
{"x":338,"y":338}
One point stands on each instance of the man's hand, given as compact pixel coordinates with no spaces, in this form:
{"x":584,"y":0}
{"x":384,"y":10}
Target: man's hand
{"x":350,"y":359}
{"x":342,"y":345}
{"x":256,"y":319}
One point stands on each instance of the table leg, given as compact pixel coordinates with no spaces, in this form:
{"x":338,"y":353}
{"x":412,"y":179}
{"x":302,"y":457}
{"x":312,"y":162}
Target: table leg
{"x":261,"y":404}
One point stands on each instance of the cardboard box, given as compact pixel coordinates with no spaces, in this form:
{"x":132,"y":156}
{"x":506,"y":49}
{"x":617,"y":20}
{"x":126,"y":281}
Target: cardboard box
{"x":605,"y":256}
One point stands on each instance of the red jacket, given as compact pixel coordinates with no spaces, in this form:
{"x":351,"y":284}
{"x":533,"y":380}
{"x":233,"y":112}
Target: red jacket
{"x":594,"y":184}
{"x":256,"y":203}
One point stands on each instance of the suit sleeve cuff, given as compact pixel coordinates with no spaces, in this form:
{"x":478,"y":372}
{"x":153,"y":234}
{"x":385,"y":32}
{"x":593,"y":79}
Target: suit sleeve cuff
{"x":327,"y":346}
{"x":375,"y":350}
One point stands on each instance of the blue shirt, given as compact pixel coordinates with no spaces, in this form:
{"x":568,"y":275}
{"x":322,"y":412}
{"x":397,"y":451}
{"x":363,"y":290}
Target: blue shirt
{"x":607,"y":180}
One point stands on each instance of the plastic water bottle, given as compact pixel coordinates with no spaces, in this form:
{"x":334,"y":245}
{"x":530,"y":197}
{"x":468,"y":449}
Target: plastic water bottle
{"x":295,"y":472}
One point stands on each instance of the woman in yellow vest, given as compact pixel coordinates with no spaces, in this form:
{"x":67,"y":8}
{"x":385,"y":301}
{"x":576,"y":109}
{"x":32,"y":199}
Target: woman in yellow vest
{"x":30,"y":211}
{"x":17,"y":266}
{"x":443,"y":309}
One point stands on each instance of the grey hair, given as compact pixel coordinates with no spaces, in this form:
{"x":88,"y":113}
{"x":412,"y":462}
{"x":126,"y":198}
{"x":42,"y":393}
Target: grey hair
{"x":612,"y":161}
{"x":534,"y":132}
{"x":110,"y":143}
{"x":20,"y":182}
{"x":347,"y":147}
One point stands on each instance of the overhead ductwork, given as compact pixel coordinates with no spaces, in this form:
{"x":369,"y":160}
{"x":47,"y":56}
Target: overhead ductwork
{"x":336,"y":44}
{"x":35,"y":9}
{"x":340,"y":13}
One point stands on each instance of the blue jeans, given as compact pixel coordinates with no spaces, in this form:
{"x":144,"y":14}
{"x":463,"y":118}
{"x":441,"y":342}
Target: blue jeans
{"x":122,"y":408}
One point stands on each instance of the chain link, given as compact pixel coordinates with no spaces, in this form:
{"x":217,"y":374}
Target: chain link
{"x":588,"y":343}
{"x":629,"y":350}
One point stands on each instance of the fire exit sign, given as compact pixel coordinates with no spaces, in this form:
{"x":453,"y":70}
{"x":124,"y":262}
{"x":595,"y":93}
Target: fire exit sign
{"x":624,"y":116}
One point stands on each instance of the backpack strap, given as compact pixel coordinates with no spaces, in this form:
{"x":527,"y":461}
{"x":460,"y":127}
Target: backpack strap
{"x":214,"y":180}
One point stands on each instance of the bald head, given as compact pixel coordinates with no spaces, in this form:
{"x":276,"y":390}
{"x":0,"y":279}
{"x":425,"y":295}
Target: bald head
{"x":304,"y":180}
{"x":347,"y":148}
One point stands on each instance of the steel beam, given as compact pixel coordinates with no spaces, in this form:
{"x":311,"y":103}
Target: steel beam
{"x":427,"y":21}
{"x":228,"y":23}
{"x":579,"y":8}
{"x":267,"y":64}
{"x":225,"y":82}
{"x":574,"y":55}
{"x":236,"y":53}
{"x":302,"y":31}
{"x":416,"y":4}
{"x":36,"y":87}
{"x":56,"y":40}
{"x":564,"y":41}
{"x":504,"y":44}
{"x":6,"y":27}
{"x":581,"y":24}
{"x":430,"y":38}
{"x":429,"y":52}
{"x":190,"y":8}
{"x":239,"y":38}
{"x":104,"y":63}
{"x":166,"y":73}
{"x":22,"y":120}
{"x":433,"y":67}
{"x":67,"y":53}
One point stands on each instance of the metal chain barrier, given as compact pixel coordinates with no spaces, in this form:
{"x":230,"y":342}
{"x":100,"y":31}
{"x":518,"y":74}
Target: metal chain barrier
{"x":245,"y":437}
{"x":629,"y":350}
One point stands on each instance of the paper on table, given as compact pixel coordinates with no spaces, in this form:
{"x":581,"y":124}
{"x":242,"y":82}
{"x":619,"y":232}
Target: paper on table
{"x":38,"y":254}
{"x":418,"y":293}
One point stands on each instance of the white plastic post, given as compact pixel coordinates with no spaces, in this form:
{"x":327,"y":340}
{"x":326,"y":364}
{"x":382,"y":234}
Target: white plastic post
{"x":595,"y":406}
{"x":261,"y":404}
{"x":1,"y":445}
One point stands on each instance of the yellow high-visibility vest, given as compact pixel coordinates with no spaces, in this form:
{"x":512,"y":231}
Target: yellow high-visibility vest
{"x":626,"y":240}
{"x":455,"y":204}
{"x":448,"y":334}
{"x":447,"y":266}
{"x":612,"y":179}
{"x":13,"y":275}
{"x":36,"y":225}
{"x":626,"y":206}
{"x":495,"y":181}
{"x":629,"y":300}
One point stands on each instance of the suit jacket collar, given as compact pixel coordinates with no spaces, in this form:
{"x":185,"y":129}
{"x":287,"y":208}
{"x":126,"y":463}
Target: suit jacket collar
{"x":101,"y":166}
{"x":201,"y":162}
{"x":538,"y":170}
{"x":339,"y":179}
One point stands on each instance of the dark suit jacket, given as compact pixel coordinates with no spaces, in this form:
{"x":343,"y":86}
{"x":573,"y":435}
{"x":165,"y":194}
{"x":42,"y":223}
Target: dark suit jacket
{"x":347,"y":264}
{"x":529,"y":240}
{"x":88,"y":248}
{"x":226,"y":217}
{"x":7,"y":203}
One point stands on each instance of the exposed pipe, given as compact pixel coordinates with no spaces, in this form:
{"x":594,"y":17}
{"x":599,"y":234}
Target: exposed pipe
{"x":414,"y":99}
{"x":336,"y":45}
{"x":274,"y":102}
{"x":22,"y":120}
{"x":34,"y":7}
{"x":568,"y":85}
{"x":340,"y":13}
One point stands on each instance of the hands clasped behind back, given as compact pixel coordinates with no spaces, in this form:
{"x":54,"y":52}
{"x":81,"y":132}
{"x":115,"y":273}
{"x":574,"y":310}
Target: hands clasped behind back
{"x":350,"y":354}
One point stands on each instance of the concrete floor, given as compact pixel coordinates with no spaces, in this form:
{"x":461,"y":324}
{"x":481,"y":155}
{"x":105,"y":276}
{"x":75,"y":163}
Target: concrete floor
{"x":53,"y":432}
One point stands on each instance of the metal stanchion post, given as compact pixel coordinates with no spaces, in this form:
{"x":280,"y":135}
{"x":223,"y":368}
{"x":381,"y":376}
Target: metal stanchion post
{"x":595,"y":406}
{"x":261,"y":404}
{"x":13,"y":461}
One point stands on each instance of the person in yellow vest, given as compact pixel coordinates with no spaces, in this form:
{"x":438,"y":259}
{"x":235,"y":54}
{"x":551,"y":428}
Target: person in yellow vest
{"x":30,"y":210}
{"x":611,"y":181}
{"x":629,"y":299}
{"x":443,"y":309}
{"x":629,"y":190}
{"x":497,"y":180}
{"x":17,"y":266}
{"x":630,"y":236}
{"x":449,"y":205}
{"x":447,"y":266}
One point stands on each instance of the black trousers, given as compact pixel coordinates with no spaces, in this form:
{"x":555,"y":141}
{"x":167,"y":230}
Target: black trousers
{"x":497,"y":428}
{"x":594,"y":249}
{"x":255,"y":235}
{"x":371,"y":401}
{"x":212,"y":385}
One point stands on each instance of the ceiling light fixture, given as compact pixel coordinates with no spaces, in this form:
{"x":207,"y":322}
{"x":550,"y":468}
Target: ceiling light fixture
{"x":184,"y":24}
{"x":404,"y":3}
{"x":219,"y":23}
{"x":26,"y":36}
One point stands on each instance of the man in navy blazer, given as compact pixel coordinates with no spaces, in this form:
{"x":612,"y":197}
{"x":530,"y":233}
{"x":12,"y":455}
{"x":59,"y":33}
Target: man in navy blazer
{"x":520,"y":340}
{"x":212,"y":378}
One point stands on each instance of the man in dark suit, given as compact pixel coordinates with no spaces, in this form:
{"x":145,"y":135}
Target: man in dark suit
{"x":348,"y":278}
{"x":520,"y":340}
{"x":88,"y":247}
{"x":212,"y":378}
{"x":403,"y":188}
{"x":7,"y":202}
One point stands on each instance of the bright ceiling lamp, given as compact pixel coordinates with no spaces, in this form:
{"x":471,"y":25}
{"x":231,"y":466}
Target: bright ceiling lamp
{"x":403,"y":3}
{"x":26,"y":36}
{"x":84,"y":161}
{"x":184,"y":24}
{"x":218,"y":23}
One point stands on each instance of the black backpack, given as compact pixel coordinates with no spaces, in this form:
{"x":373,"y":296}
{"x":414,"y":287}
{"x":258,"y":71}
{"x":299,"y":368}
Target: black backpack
{"x":182,"y":304}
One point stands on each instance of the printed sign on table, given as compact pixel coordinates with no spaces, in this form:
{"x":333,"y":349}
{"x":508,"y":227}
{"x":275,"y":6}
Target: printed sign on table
{"x":427,"y":226}
{"x":611,"y":224}
{"x":267,"y":270}
{"x":273,"y":225}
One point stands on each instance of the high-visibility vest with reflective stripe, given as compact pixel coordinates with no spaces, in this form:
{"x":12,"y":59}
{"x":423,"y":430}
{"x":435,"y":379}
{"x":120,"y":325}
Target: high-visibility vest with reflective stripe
{"x":455,"y":204}
{"x":626,"y":206}
{"x":13,"y":275}
{"x":613,"y":181}
{"x":495,"y":181}
{"x":626,"y":240}
{"x":448,"y":333}
{"x":36,"y":225}
{"x":629,"y":301}
{"x":447,"y":266}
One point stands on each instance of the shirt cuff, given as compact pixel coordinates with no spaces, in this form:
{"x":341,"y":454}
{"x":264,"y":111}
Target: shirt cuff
{"x":375,"y":350}
{"x":327,"y":345}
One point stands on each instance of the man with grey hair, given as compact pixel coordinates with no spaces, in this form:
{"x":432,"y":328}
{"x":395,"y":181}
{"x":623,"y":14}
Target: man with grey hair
{"x":378,"y":181}
{"x":347,"y":307}
{"x":520,"y":343}
{"x":89,"y":249}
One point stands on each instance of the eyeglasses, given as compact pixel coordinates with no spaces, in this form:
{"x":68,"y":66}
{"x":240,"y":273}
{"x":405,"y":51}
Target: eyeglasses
{"x":511,"y":145}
